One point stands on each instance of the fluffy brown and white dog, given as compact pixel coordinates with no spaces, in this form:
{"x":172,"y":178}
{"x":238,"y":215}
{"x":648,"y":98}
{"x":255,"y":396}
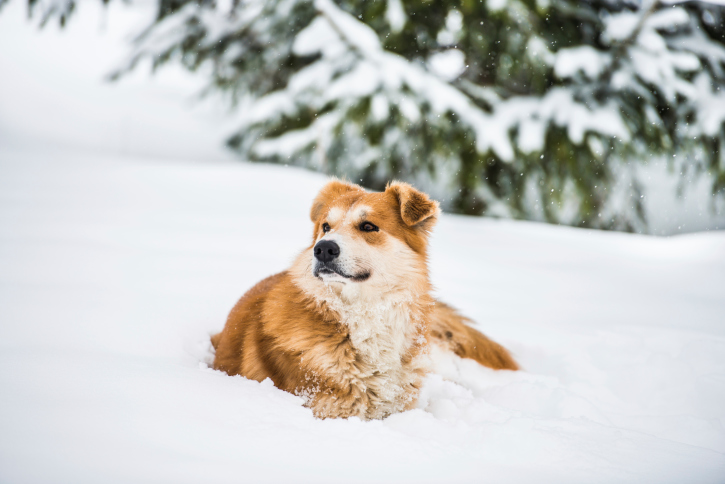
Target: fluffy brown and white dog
{"x":349,"y":325}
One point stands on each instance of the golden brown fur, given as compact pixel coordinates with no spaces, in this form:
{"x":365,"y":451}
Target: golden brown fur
{"x":354,"y":342}
{"x":452,"y":331}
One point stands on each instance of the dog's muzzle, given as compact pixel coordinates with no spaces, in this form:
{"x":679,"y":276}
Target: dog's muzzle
{"x":327,"y":264}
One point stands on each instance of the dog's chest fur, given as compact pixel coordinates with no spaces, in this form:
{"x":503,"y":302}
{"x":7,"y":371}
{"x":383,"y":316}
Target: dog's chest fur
{"x":387,"y":342}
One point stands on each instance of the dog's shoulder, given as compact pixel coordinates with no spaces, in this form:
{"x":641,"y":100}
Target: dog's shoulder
{"x":242,"y":324}
{"x":298,"y":323}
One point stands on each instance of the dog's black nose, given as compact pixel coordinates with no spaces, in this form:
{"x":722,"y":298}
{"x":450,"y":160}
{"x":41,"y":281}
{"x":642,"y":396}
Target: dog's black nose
{"x":326,"y":250}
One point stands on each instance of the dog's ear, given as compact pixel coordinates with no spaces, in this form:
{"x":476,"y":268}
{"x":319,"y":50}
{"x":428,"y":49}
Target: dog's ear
{"x":335,"y":188}
{"x":416,"y":209}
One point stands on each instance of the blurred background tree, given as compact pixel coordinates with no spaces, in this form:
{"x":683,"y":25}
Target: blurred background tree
{"x":539,"y":110}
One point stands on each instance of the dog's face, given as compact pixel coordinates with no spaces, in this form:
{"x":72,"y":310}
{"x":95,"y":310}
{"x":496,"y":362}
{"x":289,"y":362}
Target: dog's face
{"x":371,"y":239}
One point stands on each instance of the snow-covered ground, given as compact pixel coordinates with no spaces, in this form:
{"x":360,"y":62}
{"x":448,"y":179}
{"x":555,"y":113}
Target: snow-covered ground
{"x":121,"y":250}
{"x":53,"y":91}
{"x":114,"y":271}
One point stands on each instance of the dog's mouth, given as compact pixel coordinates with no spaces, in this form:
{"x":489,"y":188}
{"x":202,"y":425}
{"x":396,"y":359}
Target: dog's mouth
{"x":326,"y":270}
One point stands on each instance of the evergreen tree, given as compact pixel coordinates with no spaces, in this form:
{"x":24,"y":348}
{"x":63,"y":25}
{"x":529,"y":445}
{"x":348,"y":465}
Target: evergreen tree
{"x":519,"y":108}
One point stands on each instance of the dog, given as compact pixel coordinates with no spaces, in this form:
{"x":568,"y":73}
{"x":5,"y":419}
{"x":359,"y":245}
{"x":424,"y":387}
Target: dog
{"x":348,"y":327}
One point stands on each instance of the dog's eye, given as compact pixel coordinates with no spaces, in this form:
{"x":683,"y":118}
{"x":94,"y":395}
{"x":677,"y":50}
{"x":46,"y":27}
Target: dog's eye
{"x":368,"y":227}
{"x":325,"y":227}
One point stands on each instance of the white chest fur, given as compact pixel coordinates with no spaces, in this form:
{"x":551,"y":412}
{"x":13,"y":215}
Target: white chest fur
{"x":380,"y":332}
{"x":382,"y":335}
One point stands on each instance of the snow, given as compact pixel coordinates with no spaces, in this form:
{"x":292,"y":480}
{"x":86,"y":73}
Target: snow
{"x":339,"y":37}
{"x":496,"y":5}
{"x":448,"y":64}
{"x":559,"y":107}
{"x":668,"y":18}
{"x":711,"y":106}
{"x":620,"y":26}
{"x":452,"y":31}
{"x":52,"y":90}
{"x":116,"y":270}
{"x":319,"y":36}
{"x":537,"y":49}
{"x":119,"y":255}
{"x":395,"y":15}
{"x":379,"y":108}
{"x":713,"y":2}
{"x":583,"y":58}
{"x":650,"y":59}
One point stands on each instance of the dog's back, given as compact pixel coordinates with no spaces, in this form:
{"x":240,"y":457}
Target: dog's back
{"x":454,"y":332}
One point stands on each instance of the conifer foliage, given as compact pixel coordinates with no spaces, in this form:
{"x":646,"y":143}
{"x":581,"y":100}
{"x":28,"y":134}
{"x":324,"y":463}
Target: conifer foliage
{"x":536,"y":109}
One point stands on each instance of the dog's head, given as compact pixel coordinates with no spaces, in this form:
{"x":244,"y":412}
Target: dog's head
{"x":375,"y":239}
